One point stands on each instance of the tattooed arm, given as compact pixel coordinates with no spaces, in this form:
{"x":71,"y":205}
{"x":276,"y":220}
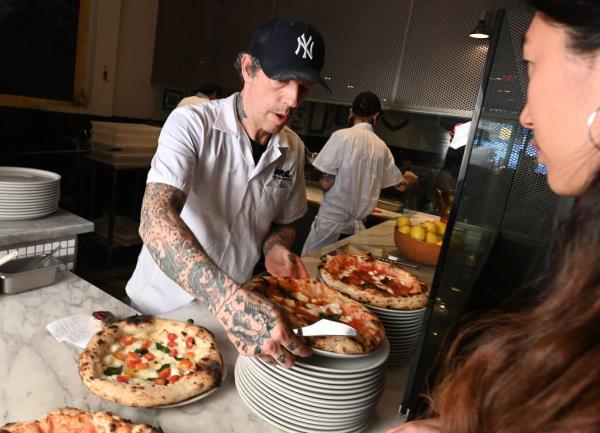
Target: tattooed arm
{"x":254,"y":325}
{"x":279,"y":260}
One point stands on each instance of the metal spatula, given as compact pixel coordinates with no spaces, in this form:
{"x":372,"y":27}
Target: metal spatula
{"x":326,"y":327}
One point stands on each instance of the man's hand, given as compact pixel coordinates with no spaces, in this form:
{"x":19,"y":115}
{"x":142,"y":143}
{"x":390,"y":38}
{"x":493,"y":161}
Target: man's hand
{"x":409,"y":179}
{"x":256,"y":327}
{"x":281,"y":262}
{"x":420,"y":426}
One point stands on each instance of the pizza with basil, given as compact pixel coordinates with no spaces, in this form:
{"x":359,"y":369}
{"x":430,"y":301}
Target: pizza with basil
{"x":306,"y":301}
{"x":147,"y":361}
{"x":373,"y":282}
{"x":69,"y":420}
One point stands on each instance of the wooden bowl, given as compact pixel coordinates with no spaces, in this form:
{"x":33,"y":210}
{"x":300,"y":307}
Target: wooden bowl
{"x":414,"y":249}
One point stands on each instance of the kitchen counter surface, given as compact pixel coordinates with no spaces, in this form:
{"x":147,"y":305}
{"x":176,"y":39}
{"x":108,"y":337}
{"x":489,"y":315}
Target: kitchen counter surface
{"x":39,"y":374}
{"x":58,"y":224}
{"x":314,"y":195}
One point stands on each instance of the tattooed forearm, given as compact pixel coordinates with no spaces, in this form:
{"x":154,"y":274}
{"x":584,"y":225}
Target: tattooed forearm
{"x":176,"y":250}
{"x":280,"y":235}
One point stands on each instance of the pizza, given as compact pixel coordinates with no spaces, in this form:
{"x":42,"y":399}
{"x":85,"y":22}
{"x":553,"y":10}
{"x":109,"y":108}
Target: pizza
{"x":373,"y":282}
{"x":147,"y":361}
{"x":306,"y":301}
{"x":69,"y":420}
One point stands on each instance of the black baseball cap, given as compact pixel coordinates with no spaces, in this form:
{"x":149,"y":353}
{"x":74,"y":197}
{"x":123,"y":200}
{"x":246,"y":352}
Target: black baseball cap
{"x":366,"y":104}
{"x":289,"y":49}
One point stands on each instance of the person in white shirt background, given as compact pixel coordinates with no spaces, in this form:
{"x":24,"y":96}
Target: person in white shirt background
{"x":227,"y":179}
{"x":356,"y":165}
{"x":206,"y":93}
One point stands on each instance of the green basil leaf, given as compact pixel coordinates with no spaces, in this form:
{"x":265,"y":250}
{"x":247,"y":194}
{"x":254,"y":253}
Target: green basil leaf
{"x":163,"y":348}
{"x":334,"y":317}
{"x":141,"y":352}
{"x":162,"y":367}
{"x":111,"y":371}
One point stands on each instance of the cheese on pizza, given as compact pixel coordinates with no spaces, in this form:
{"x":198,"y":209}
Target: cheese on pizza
{"x":373,"y":282}
{"x":148,"y":361}
{"x":305,"y":301}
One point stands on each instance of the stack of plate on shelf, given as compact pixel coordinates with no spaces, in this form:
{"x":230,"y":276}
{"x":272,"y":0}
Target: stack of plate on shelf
{"x":402,"y":328}
{"x":27,"y":193}
{"x":336,"y":393}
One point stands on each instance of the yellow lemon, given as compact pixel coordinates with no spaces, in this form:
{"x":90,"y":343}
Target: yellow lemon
{"x":404,"y":229}
{"x":439,"y":243}
{"x":417,"y":232}
{"x":430,"y":227}
{"x":431,"y":238}
{"x":402,"y":221}
{"x":441,"y":226}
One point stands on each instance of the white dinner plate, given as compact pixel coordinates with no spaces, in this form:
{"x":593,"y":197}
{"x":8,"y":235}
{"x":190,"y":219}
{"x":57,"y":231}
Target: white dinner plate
{"x":321,"y":382}
{"x":320,"y":412}
{"x":25,"y":217}
{"x":198,"y":397}
{"x":396,"y":312}
{"x":334,"y":365}
{"x":312,"y":401}
{"x":322,"y":352}
{"x":286,"y":425}
{"x":308,"y":389}
{"x":26,"y":176}
{"x":280,"y":408}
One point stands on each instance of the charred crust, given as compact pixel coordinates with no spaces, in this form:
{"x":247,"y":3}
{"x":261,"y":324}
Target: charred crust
{"x":113,"y":426}
{"x":100,"y":341}
{"x":112,"y":327}
{"x":138,"y":319}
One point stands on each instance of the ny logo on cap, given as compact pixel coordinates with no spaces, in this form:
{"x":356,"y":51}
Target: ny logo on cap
{"x":306,"y":44}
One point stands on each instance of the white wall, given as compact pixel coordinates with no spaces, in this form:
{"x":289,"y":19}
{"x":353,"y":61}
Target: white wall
{"x":121,"y":42}
{"x":134,"y":96}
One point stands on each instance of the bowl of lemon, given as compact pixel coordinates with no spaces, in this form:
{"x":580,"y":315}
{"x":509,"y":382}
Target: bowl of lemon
{"x":419,"y":242}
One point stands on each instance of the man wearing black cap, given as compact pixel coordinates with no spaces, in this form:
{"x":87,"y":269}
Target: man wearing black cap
{"x":227,"y":179}
{"x":355,"y":166}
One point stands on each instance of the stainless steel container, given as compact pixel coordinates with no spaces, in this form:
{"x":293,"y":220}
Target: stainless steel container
{"x":28,"y":273}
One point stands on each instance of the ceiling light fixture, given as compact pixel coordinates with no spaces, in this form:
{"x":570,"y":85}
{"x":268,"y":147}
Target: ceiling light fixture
{"x":480,"y":32}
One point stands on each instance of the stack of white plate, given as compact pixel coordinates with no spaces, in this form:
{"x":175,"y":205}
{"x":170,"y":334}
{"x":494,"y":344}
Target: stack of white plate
{"x":319,"y":394}
{"x":27,"y":193}
{"x":402,"y":328}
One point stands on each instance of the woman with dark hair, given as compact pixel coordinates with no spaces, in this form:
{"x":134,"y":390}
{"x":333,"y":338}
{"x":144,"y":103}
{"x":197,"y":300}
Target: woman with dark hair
{"x":539,"y":370}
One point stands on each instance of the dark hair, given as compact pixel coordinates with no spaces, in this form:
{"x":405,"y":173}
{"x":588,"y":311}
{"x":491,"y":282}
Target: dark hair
{"x":580,"y":17}
{"x":538,"y":370}
{"x":254,"y":65}
{"x":366,"y":104}
{"x":208,"y":89}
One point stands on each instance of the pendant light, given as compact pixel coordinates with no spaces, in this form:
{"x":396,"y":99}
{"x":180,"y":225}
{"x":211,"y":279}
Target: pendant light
{"x":480,"y":32}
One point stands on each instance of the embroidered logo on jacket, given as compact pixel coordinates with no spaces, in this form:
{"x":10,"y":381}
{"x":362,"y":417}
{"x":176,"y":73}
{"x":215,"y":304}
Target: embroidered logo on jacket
{"x":306,"y":44}
{"x":282,"y":174}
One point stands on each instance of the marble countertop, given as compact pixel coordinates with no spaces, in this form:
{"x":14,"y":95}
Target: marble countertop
{"x":58,"y":224}
{"x":38,"y":373}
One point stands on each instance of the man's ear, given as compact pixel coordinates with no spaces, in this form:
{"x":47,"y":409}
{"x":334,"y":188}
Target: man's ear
{"x":245,"y":67}
{"x":376,"y":117}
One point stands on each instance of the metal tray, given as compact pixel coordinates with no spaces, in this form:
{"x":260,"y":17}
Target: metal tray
{"x":28,"y":273}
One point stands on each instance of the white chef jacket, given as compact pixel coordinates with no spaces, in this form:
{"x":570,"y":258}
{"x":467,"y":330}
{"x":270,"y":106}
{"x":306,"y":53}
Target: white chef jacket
{"x":204,"y":151}
{"x":363,"y":165}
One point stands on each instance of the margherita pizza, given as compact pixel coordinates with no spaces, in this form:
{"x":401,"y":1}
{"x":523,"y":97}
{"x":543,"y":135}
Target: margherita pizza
{"x":306,"y":301}
{"x":68,"y":420}
{"x":146,"y":361}
{"x":373,"y":282}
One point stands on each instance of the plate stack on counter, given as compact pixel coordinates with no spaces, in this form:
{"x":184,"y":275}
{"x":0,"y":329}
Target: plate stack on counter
{"x":27,"y":193}
{"x":319,"y":394}
{"x":402,"y":328}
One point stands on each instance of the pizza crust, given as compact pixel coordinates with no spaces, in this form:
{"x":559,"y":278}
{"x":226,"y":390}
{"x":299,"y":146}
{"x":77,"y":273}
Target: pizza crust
{"x":207,"y":373}
{"x":376,"y":298}
{"x":67,"y":420}
{"x":370,"y":331}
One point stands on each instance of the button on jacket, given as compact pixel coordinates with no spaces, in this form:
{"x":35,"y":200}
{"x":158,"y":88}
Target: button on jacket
{"x":231,"y":202}
{"x":363,"y":165}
